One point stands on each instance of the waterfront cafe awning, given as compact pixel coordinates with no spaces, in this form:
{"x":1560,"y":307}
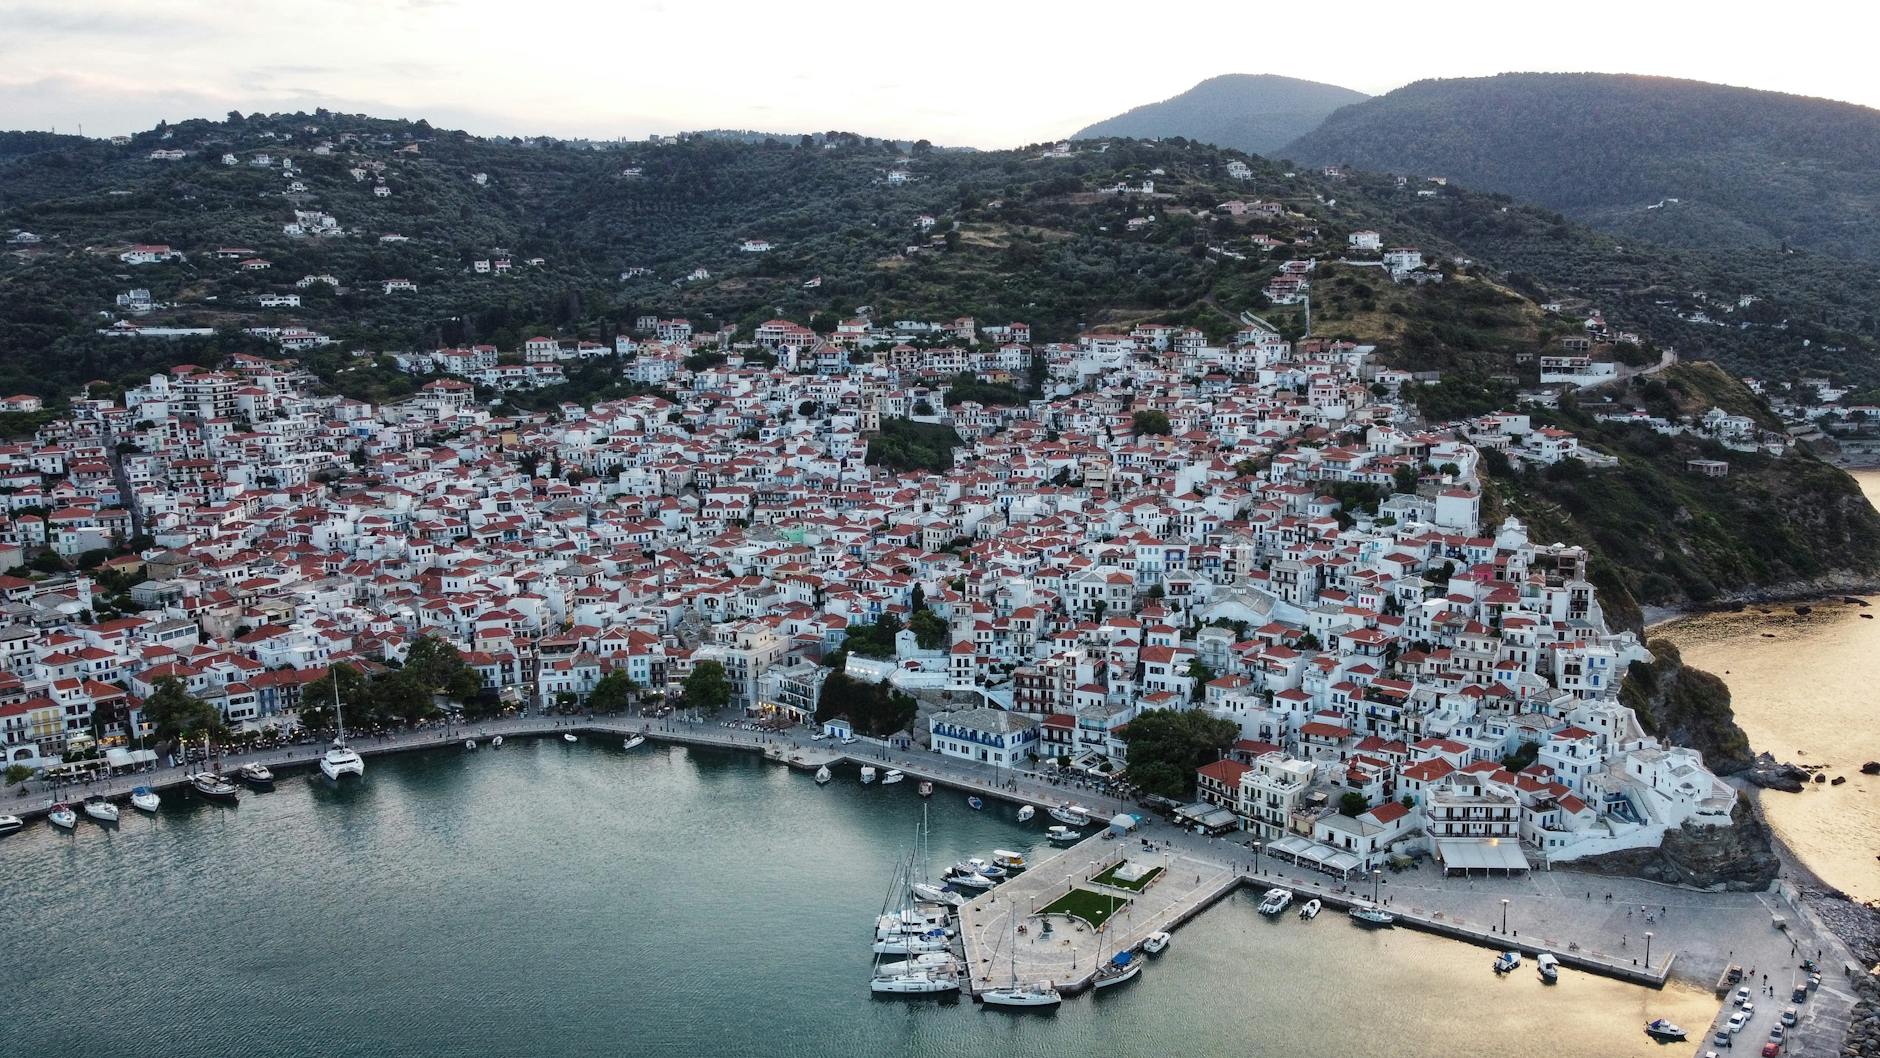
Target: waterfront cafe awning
{"x":119,"y":757}
{"x":1212,"y":819}
{"x":1308,"y":853}
{"x":1495,"y":854}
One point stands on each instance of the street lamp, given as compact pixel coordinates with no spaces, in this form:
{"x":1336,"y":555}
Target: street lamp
{"x":1377,"y":876}
{"x":1648,"y":949}
{"x":1256,"y":858}
{"x":1504,"y":914}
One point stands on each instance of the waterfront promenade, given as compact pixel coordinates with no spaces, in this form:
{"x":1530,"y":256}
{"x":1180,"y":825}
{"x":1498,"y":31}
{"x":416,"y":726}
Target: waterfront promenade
{"x":1590,"y":921}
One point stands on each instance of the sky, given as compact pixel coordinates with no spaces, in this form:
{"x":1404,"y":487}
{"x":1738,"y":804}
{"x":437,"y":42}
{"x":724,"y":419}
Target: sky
{"x":981,"y":73}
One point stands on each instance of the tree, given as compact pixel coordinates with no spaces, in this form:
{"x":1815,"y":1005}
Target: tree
{"x":875,"y":709}
{"x":706,"y":686}
{"x":1352,"y":803}
{"x":1149,"y":422}
{"x":1201,"y":674}
{"x":439,"y":668}
{"x":1165,"y":748}
{"x":930,"y":631}
{"x":403,"y":696}
{"x":613,"y":692}
{"x":355,"y":696}
{"x":178,"y":715}
{"x":1405,"y":479}
{"x":18,"y":773}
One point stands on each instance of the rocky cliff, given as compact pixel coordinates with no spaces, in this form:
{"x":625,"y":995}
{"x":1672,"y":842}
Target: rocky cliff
{"x":1686,"y":707}
{"x":1737,"y":857}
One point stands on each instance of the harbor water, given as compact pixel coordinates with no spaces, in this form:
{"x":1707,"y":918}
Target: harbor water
{"x":1806,"y":688}
{"x":547,"y":898}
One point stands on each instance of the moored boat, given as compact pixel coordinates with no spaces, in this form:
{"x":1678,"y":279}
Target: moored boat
{"x":340,"y":759}
{"x":975,"y":803}
{"x":1371,"y":915}
{"x":926,"y":788}
{"x":1156,"y":943}
{"x":569,"y":737}
{"x":1275,"y":901}
{"x":1507,"y":962}
{"x":62,"y":817}
{"x":1311,"y":909}
{"x":256,"y":774}
{"x":1025,"y":812}
{"x":497,"y":742}
{"x":937,"y":894}
{"x":634,"y":743}
{"x":100,"y":809}
{"x":1660,"y":1029}
{"x":1011,"y":861}
{"x":1548,"y":966}
{"x":1071,"y":813}
{"x":911,"y":944}
{"x":470,"y":745}
{"x":214,"y":787}
{"x":9,"y":824}
{"x":1122,"y":967}
{"x":933,"y":961}
{"x":917,"y":983}
{"x":823,"y":775}
{"x":144,"y":799}
{"x":960,"y":876}
{"x":985,"y":867}
{"x":868,"y":774}
{"x":1033,"y":997}
{"x":1063,"y":835}
{"x":893,"y":776}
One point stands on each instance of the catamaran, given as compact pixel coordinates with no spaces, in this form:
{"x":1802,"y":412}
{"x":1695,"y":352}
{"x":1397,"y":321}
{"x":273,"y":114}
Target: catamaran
{"x":340,"y":759}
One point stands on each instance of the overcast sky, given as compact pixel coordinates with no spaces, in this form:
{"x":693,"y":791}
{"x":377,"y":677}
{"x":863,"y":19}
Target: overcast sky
{"x":965,"y":72}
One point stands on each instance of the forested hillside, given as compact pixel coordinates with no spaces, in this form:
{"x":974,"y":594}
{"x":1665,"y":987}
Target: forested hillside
{"x":1683,"y":163}
{"x":1256,"y":113}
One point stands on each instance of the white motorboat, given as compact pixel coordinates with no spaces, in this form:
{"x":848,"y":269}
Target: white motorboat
{"x":960,"y":876}
{"x":926,"y":788}
{"x":1062,"y":835}
{"x":497,"y":742}
{"x":100,"y":809}
{"x":256,"y":774}
{"x":62,"y":817}
{"x":937,"y":894}
{"x":1371,"y":915}
{"x":1275,"y":901}
{"x":1025,"y":996}
{"x":569,"y":737}
{"x":1122,"y":967}
{"x":987,"y":868}
{"x":144,"y":799}
{"x":1025,"y":812}
{"x":823,"y":775}
{"x":1311,"y":910}
{"x":634,"y":743}
{"x":868,"y":774}
{"x":1071,"y":813}
{"x":340,"y":759}
{"x":1156,"y":943}
{"x":1660,"y":1029}
{"x":1548,"y":966}
{"x":918,"y":983}
{"x":1006,"y":858}
{"x":9,"y":824}
{"x":1507,"y":962}
{"x":470,"y":745}
{"x":892,"y":776}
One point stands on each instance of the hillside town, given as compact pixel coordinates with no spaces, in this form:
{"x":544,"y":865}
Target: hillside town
{"x":1262,"y":530}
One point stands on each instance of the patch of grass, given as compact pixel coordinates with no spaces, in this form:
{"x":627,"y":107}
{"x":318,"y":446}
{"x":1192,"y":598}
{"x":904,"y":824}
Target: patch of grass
{"x":1094,"y":908}
{"x":1109,"y":878}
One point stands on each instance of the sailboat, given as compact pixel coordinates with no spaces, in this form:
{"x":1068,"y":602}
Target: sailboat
{"x":634,"y":743}
{"x":62,"y":816}
{"x":100,"y":809}
{"x":920,"y":979}
{"x":144,"y":799}
{"x":340,"y":759}
{"x":211,"y":784}
{"x":1028,"y":996}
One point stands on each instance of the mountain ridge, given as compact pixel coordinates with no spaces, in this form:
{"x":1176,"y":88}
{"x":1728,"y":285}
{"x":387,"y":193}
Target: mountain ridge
{"x":1256,"y":113}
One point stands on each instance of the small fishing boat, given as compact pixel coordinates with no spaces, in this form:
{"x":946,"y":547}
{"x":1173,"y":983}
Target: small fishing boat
{"x":100,"y":809}
{"x":1275,"y":901}
{"x":1122,"y":967}
{"x":1548,"y":966}
{"x":144,"y":799}
{"x":1062,"y":835}
{"x":1025,"y":812}
{"x":569,"y":737}
{"x":470,"y":745}
{"x":1071,"y":814}
{"x":1311,"y":909}
{"x":987,"y":868}
{"x":214,"y":787}
{"x":1156,"y":943}
{"x":256,"y":774}
{"x":975,"y":803}
{"x":1006,"y":858}
{"x":926,"y":788}
{"x":1660,"y":1029}
{"x":497,"y":742}
{"x":970,"y":879}
{"x":62,"y":817}
{"x":1507,"y":962}
{"x":893,"y":776}
{"x":634,"y":743}
{"x":1371,"y":915}
{"x":823,"y":775}
{"x":9,"y":824}
{"x":868,"y":774}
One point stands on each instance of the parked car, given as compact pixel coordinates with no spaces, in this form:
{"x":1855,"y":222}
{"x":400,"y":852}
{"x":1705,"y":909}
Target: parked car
{"x":1742,"y":996}
{"x":1788,"y":1016}
{"x":1722,"y":1038}
{"x":1737,"y":1021}
{"x":1771,"y":1049}
{"x":1800,"y":993}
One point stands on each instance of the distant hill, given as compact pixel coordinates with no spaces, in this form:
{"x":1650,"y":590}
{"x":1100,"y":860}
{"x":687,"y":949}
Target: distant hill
{"x":1254,"y":112}
{"x":1745,"y":168}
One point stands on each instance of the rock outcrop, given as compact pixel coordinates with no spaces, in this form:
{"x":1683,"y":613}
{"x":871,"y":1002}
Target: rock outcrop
{"x":1686,"y":707}
{"x":1738,"y":857}
{"x":1772,"y":774}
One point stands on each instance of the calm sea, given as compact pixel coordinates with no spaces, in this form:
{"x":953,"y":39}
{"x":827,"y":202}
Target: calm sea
{"x":578,"y":900}
{"x":1807,"y":689}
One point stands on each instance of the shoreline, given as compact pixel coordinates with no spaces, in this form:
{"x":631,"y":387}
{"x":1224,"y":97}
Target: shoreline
{"x":1658,"y":616}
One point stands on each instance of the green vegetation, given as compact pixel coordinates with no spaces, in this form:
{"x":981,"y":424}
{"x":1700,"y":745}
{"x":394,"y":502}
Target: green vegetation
{"x":1686,"y":707}
{"x":175,"y":714}
{"x":1352,"y":803}
{"x":1109,"y":877}
{"x":1149,"y":422}
{"x":873,"y":640}
{"x":706,"y":686}
{"x":613,"y":692}
{"x":875,"y":709}
{"x":1165,"y":748}
{"x":1093,"y":908}
{"x":904,"y":444}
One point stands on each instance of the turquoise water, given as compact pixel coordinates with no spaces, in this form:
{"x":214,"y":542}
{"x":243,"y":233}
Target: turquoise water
{"x":578,"y":900}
